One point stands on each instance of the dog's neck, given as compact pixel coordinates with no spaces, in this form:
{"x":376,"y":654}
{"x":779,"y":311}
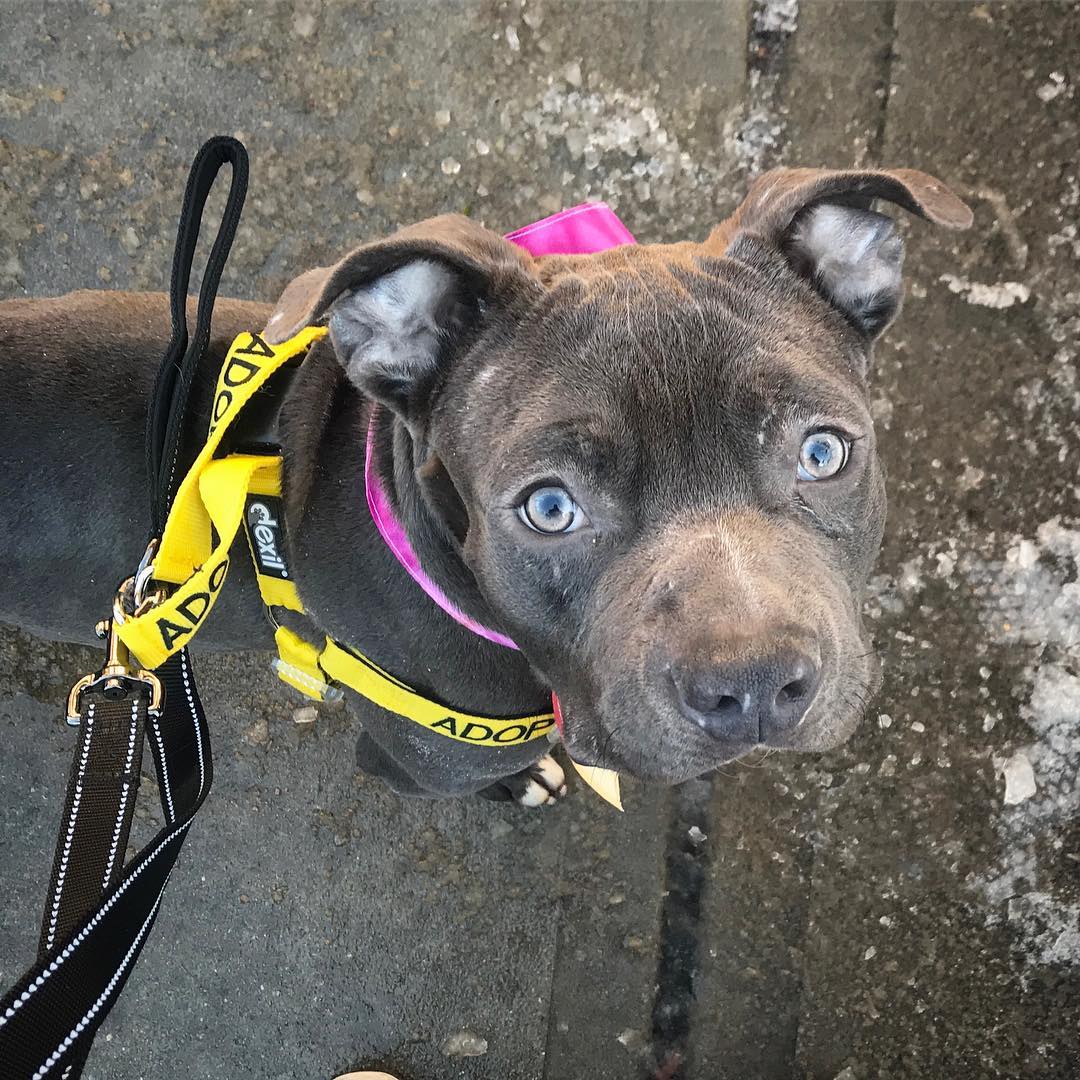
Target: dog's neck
{"x":351,"y":583}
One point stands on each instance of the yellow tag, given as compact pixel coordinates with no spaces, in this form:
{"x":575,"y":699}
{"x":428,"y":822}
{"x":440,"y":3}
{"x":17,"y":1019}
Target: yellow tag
{"x":605,"y":782}
{"x":264,"y":515}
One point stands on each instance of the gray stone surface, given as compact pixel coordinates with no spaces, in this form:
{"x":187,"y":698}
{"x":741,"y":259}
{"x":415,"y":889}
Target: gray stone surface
{"x":877,"y":912}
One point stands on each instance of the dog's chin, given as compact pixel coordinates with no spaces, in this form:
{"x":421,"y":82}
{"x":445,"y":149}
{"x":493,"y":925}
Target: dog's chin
{"x":643,"y":765}
{"x":660,"y":751}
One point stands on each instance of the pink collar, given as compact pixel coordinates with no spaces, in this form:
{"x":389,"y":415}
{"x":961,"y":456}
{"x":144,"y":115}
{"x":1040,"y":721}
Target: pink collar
{"x":581,"y":230}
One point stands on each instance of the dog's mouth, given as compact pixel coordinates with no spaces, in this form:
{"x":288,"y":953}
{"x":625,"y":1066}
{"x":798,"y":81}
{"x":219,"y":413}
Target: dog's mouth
{"x":596,"y":746}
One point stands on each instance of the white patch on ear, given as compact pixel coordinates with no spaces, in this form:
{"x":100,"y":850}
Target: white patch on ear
{"x":388,"y":334}
{"x":855,"y":256}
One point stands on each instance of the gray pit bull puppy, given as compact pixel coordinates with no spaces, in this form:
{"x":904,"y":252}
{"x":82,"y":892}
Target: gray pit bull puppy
{"x":653,"y":467}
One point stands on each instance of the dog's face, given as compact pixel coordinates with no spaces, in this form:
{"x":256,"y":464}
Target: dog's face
{"x":658,"y":462}
{"x":633,"y":452}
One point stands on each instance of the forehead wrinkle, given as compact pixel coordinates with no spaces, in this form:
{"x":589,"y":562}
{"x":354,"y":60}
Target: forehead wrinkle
{"x":583,"y":444}
{"x":707,"y":349}
{"x":648,"y":285}
{"x":607,"y":325}
{"x":814,"y":387}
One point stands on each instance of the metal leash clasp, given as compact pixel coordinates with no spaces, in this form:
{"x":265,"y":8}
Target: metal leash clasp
{"x":117,"y":674}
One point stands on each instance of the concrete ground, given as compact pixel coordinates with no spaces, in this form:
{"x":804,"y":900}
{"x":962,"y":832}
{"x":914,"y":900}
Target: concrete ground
{"x":908,"y":906}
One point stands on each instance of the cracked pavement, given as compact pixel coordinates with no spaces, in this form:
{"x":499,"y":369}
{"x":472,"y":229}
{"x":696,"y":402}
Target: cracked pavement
{"x":907,"y":906}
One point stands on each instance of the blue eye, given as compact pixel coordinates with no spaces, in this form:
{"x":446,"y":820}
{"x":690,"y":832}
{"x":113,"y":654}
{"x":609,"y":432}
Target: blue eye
{"x":550,"y":510}
{"x":822,"y":454}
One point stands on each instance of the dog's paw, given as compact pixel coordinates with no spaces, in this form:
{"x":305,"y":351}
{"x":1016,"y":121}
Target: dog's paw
{"x":541,"y":784}
{"x":544,"y":783}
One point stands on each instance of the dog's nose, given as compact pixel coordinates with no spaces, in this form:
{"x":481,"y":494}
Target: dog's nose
{"x":749,"y":700}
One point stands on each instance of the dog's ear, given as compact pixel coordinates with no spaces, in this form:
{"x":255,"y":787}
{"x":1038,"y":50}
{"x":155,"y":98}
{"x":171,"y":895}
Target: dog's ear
{"x":399,"y":308}
{"x":822,"y":220}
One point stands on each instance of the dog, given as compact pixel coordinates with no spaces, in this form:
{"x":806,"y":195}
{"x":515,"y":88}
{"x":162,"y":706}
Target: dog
{"x":654,"y":467}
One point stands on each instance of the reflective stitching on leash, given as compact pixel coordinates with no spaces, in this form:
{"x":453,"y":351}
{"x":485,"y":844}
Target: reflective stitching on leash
{"x":83,"y":934}
{"x":80,"y":1027}
{"x":132,"y":732}
{"x":194,"y":719}
{"x":159,"y":745}
{"x":61,"y":874}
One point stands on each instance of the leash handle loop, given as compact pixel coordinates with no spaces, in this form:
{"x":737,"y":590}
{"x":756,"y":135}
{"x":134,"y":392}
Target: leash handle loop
{"x":176,"y":374}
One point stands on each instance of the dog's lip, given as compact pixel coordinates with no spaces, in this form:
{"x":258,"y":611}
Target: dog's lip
{"x":586,"y":757}
{"x":579,"y":756}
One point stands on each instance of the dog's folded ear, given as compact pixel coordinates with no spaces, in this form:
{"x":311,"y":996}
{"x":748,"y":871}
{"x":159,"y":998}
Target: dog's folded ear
{"x":399,"y":308}
{"x":822,"y":220}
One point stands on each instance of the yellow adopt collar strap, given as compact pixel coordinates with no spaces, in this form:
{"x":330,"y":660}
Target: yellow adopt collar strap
{"x":216,"y":495}
{"x":350,"y":668}
{"x":311,"y":671}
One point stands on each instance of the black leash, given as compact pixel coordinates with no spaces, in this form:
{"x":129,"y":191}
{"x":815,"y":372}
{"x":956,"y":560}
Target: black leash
{"x":99,"y":912}
{"x":168,"y":405}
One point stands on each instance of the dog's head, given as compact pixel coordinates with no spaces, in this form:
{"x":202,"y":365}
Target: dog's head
{"x":657,"y":462}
